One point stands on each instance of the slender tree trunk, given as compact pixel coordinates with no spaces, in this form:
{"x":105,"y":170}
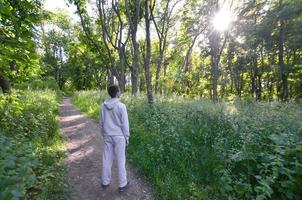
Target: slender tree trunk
{"x":232,"y":84}
{"x":223,"y":86}
{"x":159,"y":63}
{"x":238,"y":81}
{"x":54,"y":51}
{"x":215,"y":72}
{"x":214,"y":52}
{"x":121,"y":78}
{"x":110,"y":77}
{"x":256,"y":80}
{"x":162,"y":27}
{"x":253,"y":82}
{"x":148,"y":55}
{"x":259,"y":74}
{"x":278,"y":88}
{"x":134,"y":69}
{"x":133,"y":22}
{"x":240,"y":85}
{"x":187,"y":60}
{"x":284,"y":94}
{"x":60,"y":68}
{"x":230,"y":57}
{"x":270,"y":88}
{"x":214,"y":41}
{"x":259,"y":88}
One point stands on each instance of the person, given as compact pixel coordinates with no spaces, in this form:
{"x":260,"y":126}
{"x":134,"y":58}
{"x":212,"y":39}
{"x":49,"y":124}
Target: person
{"x":114,"y":127}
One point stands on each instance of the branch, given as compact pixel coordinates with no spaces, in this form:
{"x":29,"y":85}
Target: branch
{"x":102,"y":16}
{"x":88,"y":34}
{"x":153,"y":19}
{"x":223,"y":45}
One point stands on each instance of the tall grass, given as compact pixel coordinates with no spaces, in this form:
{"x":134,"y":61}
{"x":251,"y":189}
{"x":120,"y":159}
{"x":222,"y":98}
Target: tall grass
{"x":194,"y":149}
{"x":31,"y":146}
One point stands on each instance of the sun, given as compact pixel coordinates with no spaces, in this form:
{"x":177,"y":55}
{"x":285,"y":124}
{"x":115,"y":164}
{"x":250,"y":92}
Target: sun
{"x":222,"y":20}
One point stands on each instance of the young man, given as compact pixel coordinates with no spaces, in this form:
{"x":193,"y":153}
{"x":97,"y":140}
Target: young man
{"x":115,"y":130}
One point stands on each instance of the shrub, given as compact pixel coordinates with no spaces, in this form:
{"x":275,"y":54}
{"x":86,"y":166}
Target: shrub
{"x":44,"y":83}
{"x":30,"y":165}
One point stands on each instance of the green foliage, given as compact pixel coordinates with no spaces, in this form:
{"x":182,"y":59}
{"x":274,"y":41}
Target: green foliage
{"x":16,"y":168}
{"x":39,"y":84}
{"x":17,"y":32}
{"x":67,"y":56}
{"x":194,"y":149}
{"x":31,"y":146}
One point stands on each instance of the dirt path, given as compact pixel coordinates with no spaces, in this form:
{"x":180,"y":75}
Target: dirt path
{"x":84,"y":161}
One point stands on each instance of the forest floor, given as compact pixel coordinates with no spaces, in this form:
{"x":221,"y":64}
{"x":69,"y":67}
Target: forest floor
{"x":84,"y":161}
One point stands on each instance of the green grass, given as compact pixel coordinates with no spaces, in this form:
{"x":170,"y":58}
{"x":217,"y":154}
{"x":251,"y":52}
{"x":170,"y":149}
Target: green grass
{"x":194,"y":149}
{"x":32,"y":148}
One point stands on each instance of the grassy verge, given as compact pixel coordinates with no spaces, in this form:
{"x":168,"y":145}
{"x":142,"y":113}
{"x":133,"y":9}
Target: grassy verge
{"x":194,"y":149}
{"x":32,"y":148}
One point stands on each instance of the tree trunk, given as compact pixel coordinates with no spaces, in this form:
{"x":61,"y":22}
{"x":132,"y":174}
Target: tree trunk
{"x":159,"y":62}
{"x":187,"y":60}
{"x":110,"y":77}
{"x":259,"y":88}
{"x":284,"y":94}
{"x":148,"y":55}
{"x":230,"y":57}
{"x":162,"y":27}
{"x":121,"y":79}
{"x":270,"y":88}
{"x":214,"y":42}
{"x":215,"y":72}
{"x":133,"y":22}
{"x":134,"y":68}
{"x":5,"y":85}
{"x":240,"y":85}
{"x":223,"y":86}
{"x":215,"y":52}
{"x":259,"y":74}
{"x":232,"y":85}
{"x":60,"y":68}
{"x":253,"y":82}
{"x":238,"y":81}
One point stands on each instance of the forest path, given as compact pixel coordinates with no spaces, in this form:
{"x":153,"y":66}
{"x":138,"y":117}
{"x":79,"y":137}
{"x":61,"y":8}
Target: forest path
{"x":84,"y":161}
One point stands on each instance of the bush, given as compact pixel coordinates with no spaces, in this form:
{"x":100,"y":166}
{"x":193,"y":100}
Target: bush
{"x":16,"y":168}
{"x":45,"y":83}
{"x":30,"y":165}
{"x":194,"y":149}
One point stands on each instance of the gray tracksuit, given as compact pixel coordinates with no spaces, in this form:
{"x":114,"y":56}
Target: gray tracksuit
{"x":114,"y":127}
{"x":114,"y":118}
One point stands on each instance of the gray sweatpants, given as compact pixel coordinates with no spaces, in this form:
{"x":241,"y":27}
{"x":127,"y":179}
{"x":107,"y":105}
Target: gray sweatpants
{"x":114,"y":146}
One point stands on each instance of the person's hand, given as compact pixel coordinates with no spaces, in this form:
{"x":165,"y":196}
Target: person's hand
{"x":127,"y":141}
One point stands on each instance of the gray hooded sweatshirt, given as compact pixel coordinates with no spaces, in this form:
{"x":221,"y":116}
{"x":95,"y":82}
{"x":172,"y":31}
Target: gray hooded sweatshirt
{"x":114,"y":118}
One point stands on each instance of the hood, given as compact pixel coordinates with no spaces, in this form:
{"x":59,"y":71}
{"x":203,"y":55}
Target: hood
{"x":111,"y":103}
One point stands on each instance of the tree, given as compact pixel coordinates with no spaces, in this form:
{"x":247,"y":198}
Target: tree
{"x":94,"y":39}
{"x":54,"y":43}
{"x":258,"y":55}
{"x":148,"y":52}
{"x":133,"y":11}
{"x":162,"y":23}
{"x":112,"y":20}
{"x":17,"y":32}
